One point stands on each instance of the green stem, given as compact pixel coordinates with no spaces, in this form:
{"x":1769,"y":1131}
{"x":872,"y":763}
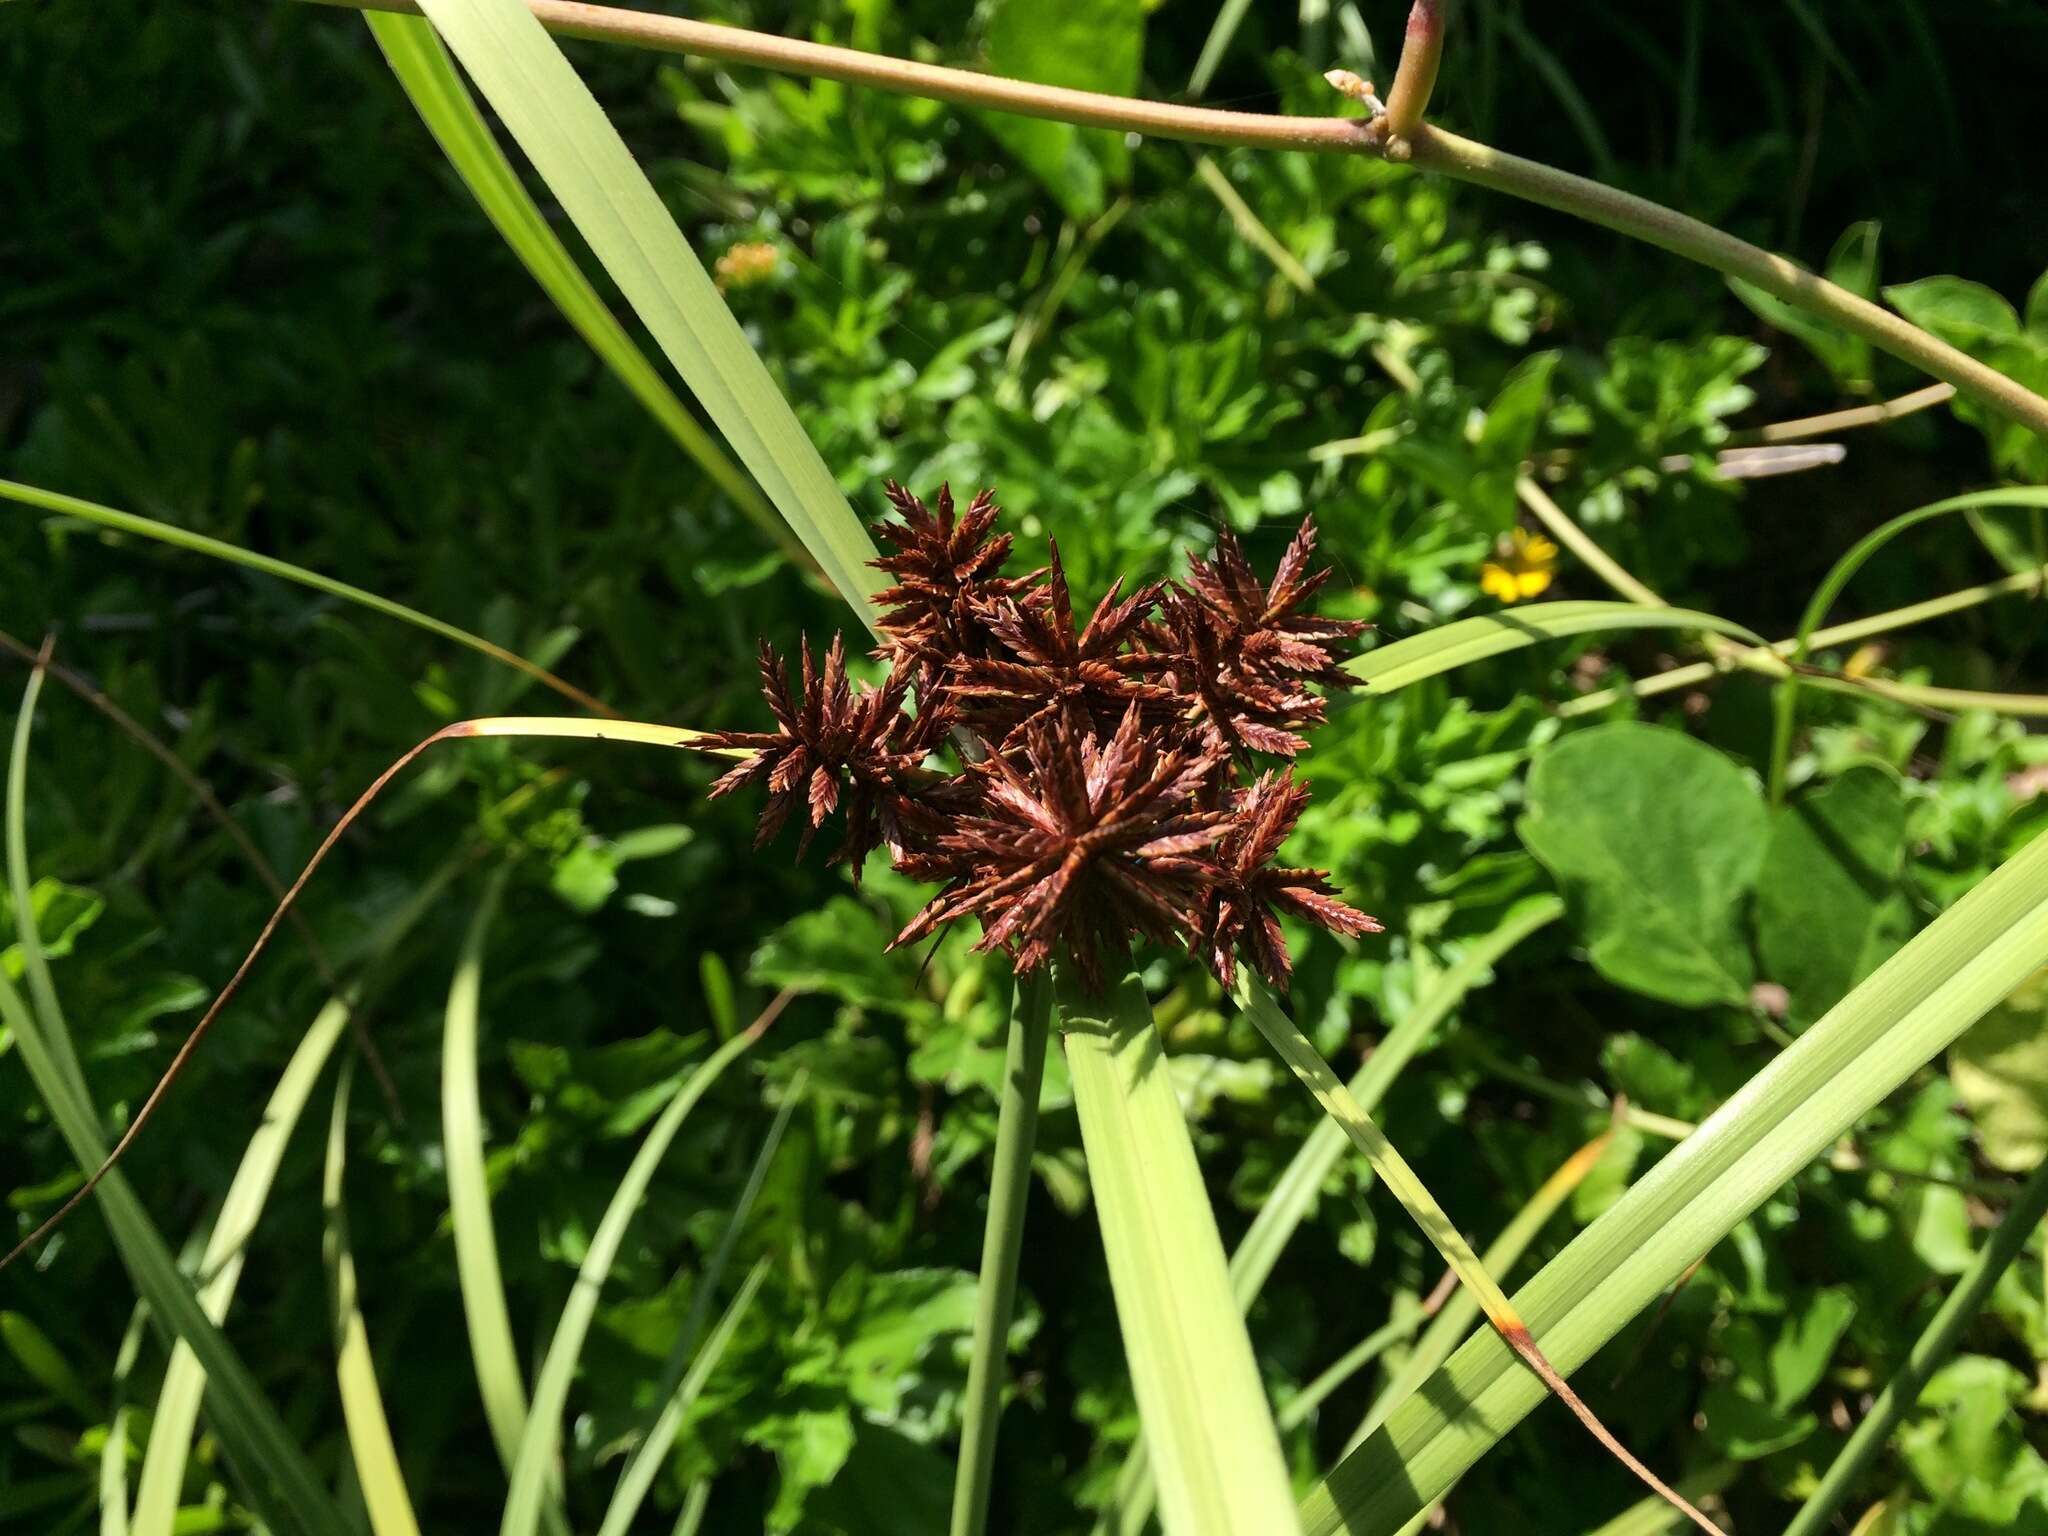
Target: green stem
{"x":1928,"y":1352}
{"x":1840,"y":634}
{"x":1422,"y":55}
{"x":1002,"y":1241}
{"x":1433,"y":149}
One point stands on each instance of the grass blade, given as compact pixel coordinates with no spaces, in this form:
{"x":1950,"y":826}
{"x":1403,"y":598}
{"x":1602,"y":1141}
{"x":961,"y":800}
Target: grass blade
{"x":550,"y":112}
{"x":1222,"y":31}
{"x":161,"y":1489}
{"x":1907,"y":1012}
{"x":662,"y":1438}
{"x":1785,"y":701}
{"x":428,"y":75}
{"x":679,"y":1389}
{"x":1455,"y":1320}
{"x":362,"y":1404}
{"x":542,"y":1435}
{"x":1933,"y":1347}
{"x":493,"y":1354}
{"x":115,"y":1448}
{"x":1258,"y":1002}
{"x":1294,"y":1194}
{"x":1300,"y":1185}
{"x":1468,"y":640}
{"x":1653,"y":1517}
{"x":1208,"y":1432}
{"x":1002,"y":1241}
{"x":281,"y":1483}
{"x":284,"y":570}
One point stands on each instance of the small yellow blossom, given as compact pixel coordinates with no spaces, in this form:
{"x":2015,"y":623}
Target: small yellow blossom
{"x":746,"y":265}
{"x":1522,"y":567}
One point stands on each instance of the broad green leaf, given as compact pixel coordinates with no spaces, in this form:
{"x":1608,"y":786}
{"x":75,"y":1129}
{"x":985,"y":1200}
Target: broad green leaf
{"x":1743,"y":1426}
{"x":1851,"y":265}
{"x":1910,"y":1010}
{"x":839,"y":949}
{"x":378,"y":1477}
{"x":1465,"y":641}
{"x":2000,"y":1068}
{"x":1208,"y":1430}
{"x":1800,"y":1354}
{"x":1089,"y":45}
{"x":1959,"y":311}
{"x":1968,"y":1449}
{"x":61,"y":914}
{"x":550,"y":112}
{"x":1656,"y":839}
{"x":1829,"y":907}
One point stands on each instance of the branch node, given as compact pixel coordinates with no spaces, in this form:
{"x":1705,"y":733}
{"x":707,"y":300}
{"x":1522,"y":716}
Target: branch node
{"x":1415,"y":81}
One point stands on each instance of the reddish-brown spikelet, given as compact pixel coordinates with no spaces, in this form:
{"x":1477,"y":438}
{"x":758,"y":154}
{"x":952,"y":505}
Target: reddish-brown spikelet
{"x":1076,"y":844}
{"x":1046,"y":669}
{"x":1105,"y":809}
{"x":1238,"y":916}
{"x":836,"y":744}
{"x":948,"y":571}
{"x":1243,"y":654}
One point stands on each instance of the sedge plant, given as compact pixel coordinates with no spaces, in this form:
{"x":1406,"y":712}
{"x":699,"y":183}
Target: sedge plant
{"x":1076,"y":790}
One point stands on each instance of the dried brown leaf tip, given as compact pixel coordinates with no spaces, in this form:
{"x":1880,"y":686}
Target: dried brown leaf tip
{"x":1072,"y":788}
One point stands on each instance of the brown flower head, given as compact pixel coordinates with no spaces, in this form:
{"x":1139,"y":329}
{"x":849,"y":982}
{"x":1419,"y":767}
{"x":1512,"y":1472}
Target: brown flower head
{"x":1108,"y":807}
{"x":948,"y":572}
{"x":1244,"y":654}
{"x":836,"y":744}
{"x":1047,"y":671}
{"x":1238,"y":915}
{"x":1077,"y":848}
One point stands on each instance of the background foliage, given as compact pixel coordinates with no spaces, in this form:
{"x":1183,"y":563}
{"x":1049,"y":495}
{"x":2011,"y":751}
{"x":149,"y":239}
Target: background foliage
{"x":246,"y":296}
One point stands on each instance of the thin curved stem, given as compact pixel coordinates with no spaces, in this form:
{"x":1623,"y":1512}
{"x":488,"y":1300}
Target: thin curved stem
{"x":1848,"y":420}
{"x":1432,"y":149}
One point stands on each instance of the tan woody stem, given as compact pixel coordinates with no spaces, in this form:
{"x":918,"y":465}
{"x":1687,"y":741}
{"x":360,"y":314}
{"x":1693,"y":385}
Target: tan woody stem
{"x":1432,"y":149}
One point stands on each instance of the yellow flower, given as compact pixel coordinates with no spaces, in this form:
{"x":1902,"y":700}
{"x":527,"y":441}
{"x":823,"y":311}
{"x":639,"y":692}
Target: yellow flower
{"x":745,"y":265}
{"x":1523,"y":565}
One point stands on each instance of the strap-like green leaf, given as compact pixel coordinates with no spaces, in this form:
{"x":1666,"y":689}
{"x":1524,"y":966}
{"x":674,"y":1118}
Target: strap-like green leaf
{"x":549,"y":111}
{"x":428,"y":75}
{"x":281,"y":1484}
{"x":1458,"y":644}
{"x":1208,"y":1430}
{"x":1872,"y":1041}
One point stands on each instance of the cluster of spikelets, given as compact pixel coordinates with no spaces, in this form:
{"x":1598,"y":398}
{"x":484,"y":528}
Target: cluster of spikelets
{"x":1104,"y":789}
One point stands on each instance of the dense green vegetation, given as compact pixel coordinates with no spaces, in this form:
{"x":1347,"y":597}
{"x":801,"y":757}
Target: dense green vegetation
{"x":245,"y":295}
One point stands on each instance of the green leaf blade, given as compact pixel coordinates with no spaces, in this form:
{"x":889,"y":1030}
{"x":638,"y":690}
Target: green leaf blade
{"x":1208,"y":1431}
